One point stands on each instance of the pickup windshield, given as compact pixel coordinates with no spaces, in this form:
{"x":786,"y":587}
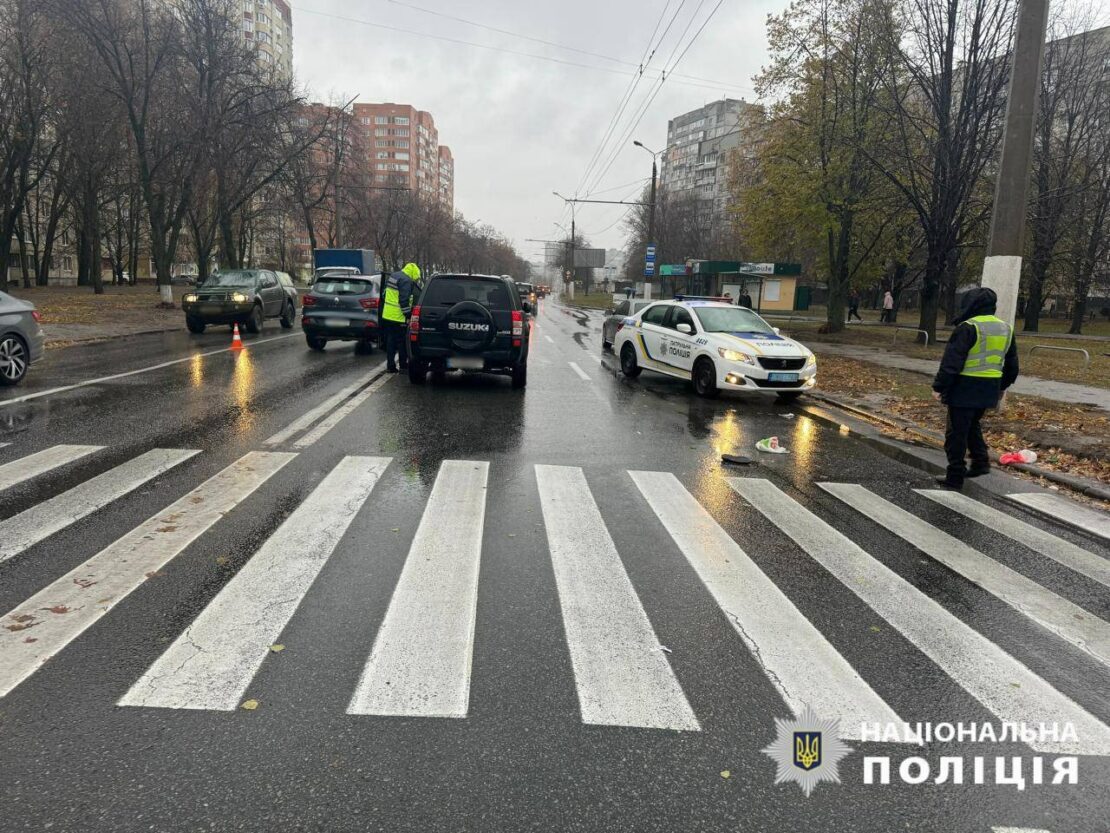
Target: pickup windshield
{"x":234,"y":278}
{"x":731,"y":320}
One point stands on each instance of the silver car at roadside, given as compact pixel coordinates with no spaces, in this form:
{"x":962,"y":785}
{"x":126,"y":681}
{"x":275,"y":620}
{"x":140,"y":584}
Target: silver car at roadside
{"x":21,"y":338}
{"x":617,"y":314}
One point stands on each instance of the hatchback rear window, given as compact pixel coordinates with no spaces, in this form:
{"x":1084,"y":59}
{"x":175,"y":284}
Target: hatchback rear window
{"x":344,"y":286}
{"x":450,"y":291}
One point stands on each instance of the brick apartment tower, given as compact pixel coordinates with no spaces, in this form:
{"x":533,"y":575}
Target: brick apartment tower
{"x":405,"y":151}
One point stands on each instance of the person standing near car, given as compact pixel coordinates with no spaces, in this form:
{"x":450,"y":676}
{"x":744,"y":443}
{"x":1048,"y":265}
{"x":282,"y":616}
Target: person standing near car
{"x":396,"y":308}
{"x":979,"y":364}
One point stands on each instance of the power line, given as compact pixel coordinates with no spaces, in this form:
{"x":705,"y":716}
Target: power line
{"x":502,"y":50}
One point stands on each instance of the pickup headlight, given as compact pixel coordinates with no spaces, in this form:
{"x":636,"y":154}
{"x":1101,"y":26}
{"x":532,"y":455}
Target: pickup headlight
{"x":735,"y":356}
{"x":190,"y":298}
{"x":239,"y":298}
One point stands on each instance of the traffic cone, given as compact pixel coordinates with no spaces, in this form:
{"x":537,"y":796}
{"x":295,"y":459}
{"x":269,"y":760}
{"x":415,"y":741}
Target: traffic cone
{"x":236,"y":342}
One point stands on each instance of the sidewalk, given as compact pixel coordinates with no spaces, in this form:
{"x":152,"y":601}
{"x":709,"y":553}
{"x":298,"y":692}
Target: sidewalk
{"x":1026,"y":385}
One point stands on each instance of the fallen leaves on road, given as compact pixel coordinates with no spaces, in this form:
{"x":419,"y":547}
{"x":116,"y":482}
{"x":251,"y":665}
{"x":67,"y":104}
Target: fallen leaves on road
{"x":725,"y":773}
{"x":277,"y":649}
{"x":249,"y":705}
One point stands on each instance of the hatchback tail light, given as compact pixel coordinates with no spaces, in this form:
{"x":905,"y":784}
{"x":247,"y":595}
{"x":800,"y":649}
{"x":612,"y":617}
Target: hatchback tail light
{"x":35,"y":314}
{"x":414,"y":324}
{"x":518,"y":326}
{"x":368,"y":303}
{"x":308,"y":301}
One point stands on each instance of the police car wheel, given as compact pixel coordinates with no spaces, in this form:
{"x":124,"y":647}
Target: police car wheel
{"x":629,"y":366}
{"x":705,"y":379}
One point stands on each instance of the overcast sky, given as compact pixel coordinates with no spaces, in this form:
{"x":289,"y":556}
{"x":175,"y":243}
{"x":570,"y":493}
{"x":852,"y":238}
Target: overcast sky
{"x":518,"y":126}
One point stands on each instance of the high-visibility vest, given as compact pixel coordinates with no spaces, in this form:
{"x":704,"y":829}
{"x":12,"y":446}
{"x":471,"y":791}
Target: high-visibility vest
{"x":992,"y":342}
{"x":391,"y":310}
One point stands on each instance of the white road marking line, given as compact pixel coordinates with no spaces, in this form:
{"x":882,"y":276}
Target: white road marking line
{"x":1045,"y":543}
{"x":1003,"y":685}
{"x":340,"y":413}
{"x":48,"y":621}
{"x":797,"y":659}
{"x":4,"y":445}
{"x":1018,"y":830}
{"x":41,"y":462}
{"x":581,"y":373}
{"x":153,"y":367}
{"x":420,"y":663}
{"x":1068,"y":511}
{"x":308,"y":419}
{"x":550,"y":340}
{"x":44,"y":519}
{"x":622,"y":676}
{"x":1065,"y":619}
{"x":213,"y":662}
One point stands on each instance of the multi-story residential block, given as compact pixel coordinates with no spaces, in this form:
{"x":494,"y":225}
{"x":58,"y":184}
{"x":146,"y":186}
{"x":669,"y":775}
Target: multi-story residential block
{"x":268,"y":25}
{"x":405,"y":150}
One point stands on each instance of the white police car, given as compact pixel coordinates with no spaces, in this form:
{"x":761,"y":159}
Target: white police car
{"x":715,"y":345}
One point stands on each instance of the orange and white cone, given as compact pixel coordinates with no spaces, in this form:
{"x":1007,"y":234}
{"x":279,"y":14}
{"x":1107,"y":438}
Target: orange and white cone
{"x":236,"y":342}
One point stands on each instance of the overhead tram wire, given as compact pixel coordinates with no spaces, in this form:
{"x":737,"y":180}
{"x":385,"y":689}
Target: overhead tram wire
{"x":678,"y":60}
{"x":500,"y":49}
{"x":649,"y":54}
{"x":649,"y":97}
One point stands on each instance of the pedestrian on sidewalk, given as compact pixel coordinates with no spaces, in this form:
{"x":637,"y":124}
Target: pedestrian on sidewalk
{"x":396,"y":309}
{"x":888,"y":308}
{"x":979,"y":364}
{"x":853,"y":306}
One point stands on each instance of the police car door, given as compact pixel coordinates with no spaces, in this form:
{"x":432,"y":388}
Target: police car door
{"x":653,"y":333}
{"x":680,"y":345}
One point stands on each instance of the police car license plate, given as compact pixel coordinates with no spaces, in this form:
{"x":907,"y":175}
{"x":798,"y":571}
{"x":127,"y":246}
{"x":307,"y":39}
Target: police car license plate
{"x":335,"y":322}
{"x":466,"y":363}
{"x":782,"y":377}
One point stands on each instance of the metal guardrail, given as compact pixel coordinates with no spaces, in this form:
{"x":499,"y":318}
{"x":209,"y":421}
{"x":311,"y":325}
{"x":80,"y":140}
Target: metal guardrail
{"x":1086,"y":355}
{"x":894,"y":340}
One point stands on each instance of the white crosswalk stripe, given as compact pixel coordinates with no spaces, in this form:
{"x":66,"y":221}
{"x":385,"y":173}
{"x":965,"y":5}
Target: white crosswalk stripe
{"x":48,"y":621}
{"x":213,"y":661}
{"x":341,"y":413}
{"x":1002,"y":684}
{"x":795,"y":656}
{"x":1068,"y":511}
{"x":1036,"y":539}
{"x":621,"y":673}
{"x":420,"y":663}
{"x":25,"y":468}
{"x":1018,"y":830}
{"x":1068,"y":621}
{"x":44,"y":519}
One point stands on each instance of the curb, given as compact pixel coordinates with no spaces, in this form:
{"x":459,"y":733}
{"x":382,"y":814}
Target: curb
{"x":901,"y":453}
{"x":62,"y":343}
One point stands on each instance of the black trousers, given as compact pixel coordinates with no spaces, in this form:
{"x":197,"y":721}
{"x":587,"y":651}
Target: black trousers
{"x":393,"y":339}
{"x":853,"y":309}
{"x":963,"y":435}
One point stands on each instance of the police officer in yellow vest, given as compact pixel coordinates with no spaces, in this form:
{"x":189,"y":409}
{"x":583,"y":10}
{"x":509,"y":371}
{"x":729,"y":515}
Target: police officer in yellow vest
{"x":401,"y":291}
{"x":979,"y":363}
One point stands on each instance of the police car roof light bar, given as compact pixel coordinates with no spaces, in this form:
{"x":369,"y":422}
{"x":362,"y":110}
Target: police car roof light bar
{"x":701,"y":298}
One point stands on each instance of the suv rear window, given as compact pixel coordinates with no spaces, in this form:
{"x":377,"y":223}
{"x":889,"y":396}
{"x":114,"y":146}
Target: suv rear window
{"x":446,"y":292}
{"x":344,"y":286}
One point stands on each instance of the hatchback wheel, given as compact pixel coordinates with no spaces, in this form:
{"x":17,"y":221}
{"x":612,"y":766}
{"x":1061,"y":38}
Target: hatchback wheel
{"x":315,"y":343}
{"x":629,"y":366}
{"x":288,"y":317}
{"x":13,"y":360}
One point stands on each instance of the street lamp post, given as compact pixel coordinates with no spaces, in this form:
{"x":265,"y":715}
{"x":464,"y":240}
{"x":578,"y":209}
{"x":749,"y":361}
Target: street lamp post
{"x":573,"y":245}
{"x":651,"y":210}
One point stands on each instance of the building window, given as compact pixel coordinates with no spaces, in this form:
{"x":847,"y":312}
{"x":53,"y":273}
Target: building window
{"x":400,"y":120}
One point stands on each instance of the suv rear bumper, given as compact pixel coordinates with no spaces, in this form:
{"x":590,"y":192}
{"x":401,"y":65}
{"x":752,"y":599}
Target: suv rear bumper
{"x":493,"y":359}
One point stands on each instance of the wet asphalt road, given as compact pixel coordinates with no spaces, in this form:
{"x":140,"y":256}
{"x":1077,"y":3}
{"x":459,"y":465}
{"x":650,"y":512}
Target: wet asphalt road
{"x":522,"y":758}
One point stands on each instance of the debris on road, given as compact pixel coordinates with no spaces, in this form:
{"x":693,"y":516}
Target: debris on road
{"x":1023,"y":456}
{"x":771,"y":446}
{"x":737,"y":459}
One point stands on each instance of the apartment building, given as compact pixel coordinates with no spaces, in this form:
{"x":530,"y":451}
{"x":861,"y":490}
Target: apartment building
{"x":405,"y":151}
{"x":268,"y":25}
{"x":698,"y":146}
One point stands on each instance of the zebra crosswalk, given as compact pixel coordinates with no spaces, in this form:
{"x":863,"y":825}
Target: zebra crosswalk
{"x":418,"y":663}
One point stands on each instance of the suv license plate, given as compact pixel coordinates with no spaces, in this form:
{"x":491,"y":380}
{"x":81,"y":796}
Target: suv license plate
{"x":466,"y":363}
{"x":782,"y":377}
{"x":335,"y":322}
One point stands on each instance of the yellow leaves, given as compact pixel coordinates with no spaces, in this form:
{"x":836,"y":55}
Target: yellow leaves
{"x":249,"y":705}
{"x":726,"y":773}
{"x":277,"y":649}
{"x":222,"y":560}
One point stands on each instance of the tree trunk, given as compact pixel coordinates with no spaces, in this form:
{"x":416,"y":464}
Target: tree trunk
{"x":930,"y":290}
{"x":23,"y":270}
{"x":839,"y":244}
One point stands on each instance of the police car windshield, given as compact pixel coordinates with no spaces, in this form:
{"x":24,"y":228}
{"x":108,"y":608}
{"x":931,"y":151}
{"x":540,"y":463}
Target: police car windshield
{"x":730,"y":320}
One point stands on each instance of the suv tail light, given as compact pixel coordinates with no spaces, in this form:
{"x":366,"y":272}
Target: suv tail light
{"x":518,"y":326}
{"x":414,"y":324}
{"x":308,"y":301}
{"x":368,"y":303}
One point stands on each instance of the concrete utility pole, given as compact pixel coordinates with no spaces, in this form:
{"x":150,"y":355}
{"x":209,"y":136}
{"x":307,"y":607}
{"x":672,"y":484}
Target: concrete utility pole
{"x":1002,"y":267}
{"x":651,"y":210}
